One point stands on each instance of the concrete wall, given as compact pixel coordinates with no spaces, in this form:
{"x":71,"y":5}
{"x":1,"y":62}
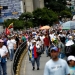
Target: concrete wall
{"x":29,"y":5}
{"x":38,"y":4}
{"x":41,"y":3}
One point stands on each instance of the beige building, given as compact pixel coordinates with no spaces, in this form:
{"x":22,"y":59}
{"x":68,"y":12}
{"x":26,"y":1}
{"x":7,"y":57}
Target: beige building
{"x":31,"y":5}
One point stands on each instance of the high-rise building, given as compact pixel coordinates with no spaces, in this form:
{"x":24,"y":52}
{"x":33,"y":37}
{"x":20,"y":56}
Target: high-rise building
{"x":17,"y":7}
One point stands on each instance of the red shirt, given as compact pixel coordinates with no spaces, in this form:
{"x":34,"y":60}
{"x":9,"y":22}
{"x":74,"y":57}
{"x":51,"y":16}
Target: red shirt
{"x":46,"y":41}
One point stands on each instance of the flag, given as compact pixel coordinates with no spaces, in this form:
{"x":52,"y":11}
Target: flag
{"x":10,"y":26}
{"x":7,"y":31}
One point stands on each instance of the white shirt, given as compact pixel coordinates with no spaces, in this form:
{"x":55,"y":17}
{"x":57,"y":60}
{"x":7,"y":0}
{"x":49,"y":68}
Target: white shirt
{"x":10,"y":43}
{"x":42,"y":38}
{"x":29,"y":43}
{"x":59,"y":67}
{"x":39,"y":43}
{"x":3,"y":51}
{"x":51,"y":36}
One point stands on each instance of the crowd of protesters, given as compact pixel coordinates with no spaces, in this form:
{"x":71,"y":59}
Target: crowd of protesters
{"x":58,"y":44}
{"x":8,"y":46}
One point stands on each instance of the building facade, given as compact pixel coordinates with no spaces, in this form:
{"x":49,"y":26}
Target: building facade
{"x":31,"y":5}
{"x":17,"y":7}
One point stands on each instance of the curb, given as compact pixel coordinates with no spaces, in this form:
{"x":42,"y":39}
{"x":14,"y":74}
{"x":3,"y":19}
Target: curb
{"x":20,"y":62}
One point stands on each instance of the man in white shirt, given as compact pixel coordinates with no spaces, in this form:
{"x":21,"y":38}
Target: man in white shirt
{"x":10,"y":44}
{"x":42,"y":38}
{"x":56,"y":66}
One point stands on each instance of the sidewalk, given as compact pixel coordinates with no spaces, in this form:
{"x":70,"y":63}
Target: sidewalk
{"x":26,"y":68}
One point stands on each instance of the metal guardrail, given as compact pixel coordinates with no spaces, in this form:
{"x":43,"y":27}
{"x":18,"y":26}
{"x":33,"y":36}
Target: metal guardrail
{"x":16,"y":58}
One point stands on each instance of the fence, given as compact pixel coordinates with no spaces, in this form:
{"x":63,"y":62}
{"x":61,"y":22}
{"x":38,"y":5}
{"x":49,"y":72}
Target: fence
{"x":16,"y":58}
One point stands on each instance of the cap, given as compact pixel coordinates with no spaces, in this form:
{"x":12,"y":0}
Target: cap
{"x":54,"y":48}
{"x":71,"y":58}
{"x":70,"y":37}
{"x":69,"y":43}
{"x":1,"y":40}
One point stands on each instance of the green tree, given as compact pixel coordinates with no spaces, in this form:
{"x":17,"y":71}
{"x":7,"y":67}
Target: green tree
{"x":25,"y":16}
{"x":17,"y":24}
{"x":44,"y":16}
{"x":56,"y":5}
{"x":28,"y":24}
{"x":66,"y":13}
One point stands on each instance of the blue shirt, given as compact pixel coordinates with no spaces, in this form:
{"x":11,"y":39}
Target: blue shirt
{"x":59,"y":67}
{"x":72,"y":70}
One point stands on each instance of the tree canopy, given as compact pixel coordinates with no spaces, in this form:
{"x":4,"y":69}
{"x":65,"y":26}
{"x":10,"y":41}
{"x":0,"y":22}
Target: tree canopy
{"x":56,"y":5}
{"x":44,"y":16}
{"x":38,"y":17}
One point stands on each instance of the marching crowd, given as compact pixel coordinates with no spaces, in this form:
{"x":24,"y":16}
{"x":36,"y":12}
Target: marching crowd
{"x":8,"y":46}
{"x":59,"y":45}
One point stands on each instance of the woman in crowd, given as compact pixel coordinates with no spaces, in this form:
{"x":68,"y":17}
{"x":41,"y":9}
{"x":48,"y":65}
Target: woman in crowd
{"x":71,"y":63}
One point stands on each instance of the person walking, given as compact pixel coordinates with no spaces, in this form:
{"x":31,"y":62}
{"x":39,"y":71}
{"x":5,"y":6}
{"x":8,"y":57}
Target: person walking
{"x":35,"y":57}
{"x":71,"y":63}
{"x":3,"y":56}
{"x":46,"y":44}
{"x":10,"y":44}
{"x":56,"y":65}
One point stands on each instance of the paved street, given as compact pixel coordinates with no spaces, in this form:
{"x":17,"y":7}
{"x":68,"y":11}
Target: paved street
{"x":26,"y":68}
{"x":9,"y":67}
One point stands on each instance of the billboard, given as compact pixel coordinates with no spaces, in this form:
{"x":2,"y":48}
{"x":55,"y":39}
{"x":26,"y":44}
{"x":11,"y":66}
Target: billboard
{"x":14,"y":8}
